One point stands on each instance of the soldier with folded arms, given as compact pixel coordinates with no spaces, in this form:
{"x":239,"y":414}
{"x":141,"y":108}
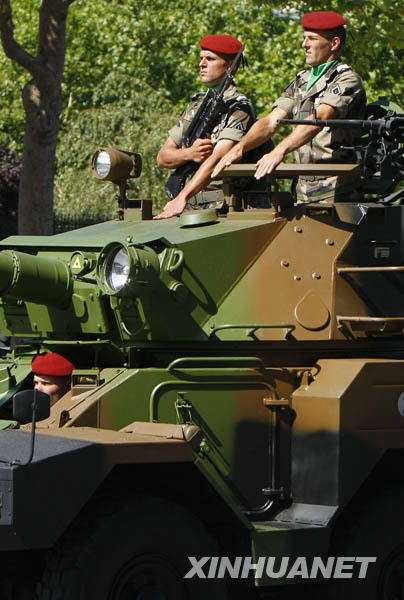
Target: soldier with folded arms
{"x":329,"y":89}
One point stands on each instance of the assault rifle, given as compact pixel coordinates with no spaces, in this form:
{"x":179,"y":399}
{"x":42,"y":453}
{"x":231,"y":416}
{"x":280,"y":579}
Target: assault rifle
{"x":381,"y":154}
{"x":201,"y":126}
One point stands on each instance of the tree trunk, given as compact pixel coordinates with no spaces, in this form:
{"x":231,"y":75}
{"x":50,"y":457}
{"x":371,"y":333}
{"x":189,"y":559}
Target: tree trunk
{"x":35,"y":207}
{"x":42,"y":99}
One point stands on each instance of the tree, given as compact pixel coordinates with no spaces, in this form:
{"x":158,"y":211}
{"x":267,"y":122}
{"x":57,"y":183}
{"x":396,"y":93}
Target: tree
{"x":42,"y":100}
{"x":10,"y":169}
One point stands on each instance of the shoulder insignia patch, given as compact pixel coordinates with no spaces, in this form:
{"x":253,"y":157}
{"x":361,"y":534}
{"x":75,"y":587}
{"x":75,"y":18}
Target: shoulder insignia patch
{"x":336,"y":90}
{"x":343,"y":67}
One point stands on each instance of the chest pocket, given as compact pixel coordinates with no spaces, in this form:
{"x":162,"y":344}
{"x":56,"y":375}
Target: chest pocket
{"x":305,"y":108}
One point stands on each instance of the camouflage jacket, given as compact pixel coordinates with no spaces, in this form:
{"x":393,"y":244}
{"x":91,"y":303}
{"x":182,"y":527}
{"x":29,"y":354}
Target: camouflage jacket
{"x":341,"y":88}
{"x":231,"y":126}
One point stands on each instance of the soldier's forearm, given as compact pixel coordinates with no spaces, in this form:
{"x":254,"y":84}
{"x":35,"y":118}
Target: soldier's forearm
{"x":301,"y":135}
{"x":259,"y":133}
{"x":262,"y":130}
{"x":171,"y":158}
{"x":200,"y":179}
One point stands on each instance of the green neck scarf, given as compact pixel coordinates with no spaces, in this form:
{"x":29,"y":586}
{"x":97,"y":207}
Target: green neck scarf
{"x":317,"y":72}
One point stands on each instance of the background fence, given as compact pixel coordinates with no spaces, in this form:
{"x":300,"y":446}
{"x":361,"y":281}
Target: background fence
{"x":61,"y":223}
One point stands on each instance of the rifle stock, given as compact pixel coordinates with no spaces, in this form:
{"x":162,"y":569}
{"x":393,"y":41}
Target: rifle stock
{"x":176,"y":182}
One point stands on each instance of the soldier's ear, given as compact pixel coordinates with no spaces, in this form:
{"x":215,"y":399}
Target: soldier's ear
{"x":335,"y":43}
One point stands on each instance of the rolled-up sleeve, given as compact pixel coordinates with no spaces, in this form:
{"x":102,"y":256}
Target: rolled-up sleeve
{"x":236,"y":126}
{"x":176,"y":133}
{"x":285,"y":103}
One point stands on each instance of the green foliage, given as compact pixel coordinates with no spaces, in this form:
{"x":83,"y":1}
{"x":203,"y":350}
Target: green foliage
{"x":10,"y":169}
{"x":132,"y":116}
{"x":132,"y":65}
{"x":15,"y":77}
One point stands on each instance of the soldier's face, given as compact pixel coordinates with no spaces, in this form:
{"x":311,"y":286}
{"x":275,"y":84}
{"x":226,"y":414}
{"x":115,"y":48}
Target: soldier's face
{"x":318,"y":48}
{"x":212,"y":67}
{"x":55,"y":386}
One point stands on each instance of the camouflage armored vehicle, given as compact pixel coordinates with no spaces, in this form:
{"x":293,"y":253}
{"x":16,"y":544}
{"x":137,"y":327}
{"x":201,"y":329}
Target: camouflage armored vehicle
{"x":236,"y":415}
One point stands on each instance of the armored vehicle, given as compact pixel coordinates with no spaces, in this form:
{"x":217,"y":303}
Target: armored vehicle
{"x":236,"y":415}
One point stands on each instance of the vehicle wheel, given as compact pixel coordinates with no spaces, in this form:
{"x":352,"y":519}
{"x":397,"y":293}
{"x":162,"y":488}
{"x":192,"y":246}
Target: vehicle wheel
{"x":373,"y":529}
{"x":135,"y":549}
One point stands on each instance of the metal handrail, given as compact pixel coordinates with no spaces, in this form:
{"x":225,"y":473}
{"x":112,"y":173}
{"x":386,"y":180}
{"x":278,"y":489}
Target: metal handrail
{"x":251,"y":360}
{"x":253,"y":327}
{"x":365,"y":319}
{"x":184,"y":386}
{"x":364,"y":269}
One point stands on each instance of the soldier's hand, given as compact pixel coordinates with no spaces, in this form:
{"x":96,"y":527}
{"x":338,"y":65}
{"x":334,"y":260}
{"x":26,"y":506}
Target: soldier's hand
{"x":234,"y":155}
{"x":268,"y":163}
{"x":173,"y":208}
{"x":200,"y":150}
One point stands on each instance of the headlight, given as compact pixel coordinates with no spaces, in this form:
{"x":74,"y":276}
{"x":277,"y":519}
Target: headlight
{"x":117,"y":270}
{"x":116,"y":165}
{"x":127,"y":269}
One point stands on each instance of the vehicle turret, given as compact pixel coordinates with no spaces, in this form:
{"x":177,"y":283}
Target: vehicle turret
{"x":308,"y":272}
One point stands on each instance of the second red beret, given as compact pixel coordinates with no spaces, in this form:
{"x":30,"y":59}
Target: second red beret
{"x":324,"y":19}
{"x":52,"y":363}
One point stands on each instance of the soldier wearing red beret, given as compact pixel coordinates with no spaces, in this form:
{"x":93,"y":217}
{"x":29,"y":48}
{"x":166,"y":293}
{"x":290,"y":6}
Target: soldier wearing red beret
{"x":329,"y":89}
{"x":52,"y":374}
{"x":216,"y":55}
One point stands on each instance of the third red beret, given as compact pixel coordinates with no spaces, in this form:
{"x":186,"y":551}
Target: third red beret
{"x":52,"y":363}
{"x":323,"y":19}
{"x":226,"y":44}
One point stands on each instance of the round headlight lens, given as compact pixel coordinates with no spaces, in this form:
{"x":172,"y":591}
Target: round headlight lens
{"x":118,"y":269}
{"x":102,"y":163}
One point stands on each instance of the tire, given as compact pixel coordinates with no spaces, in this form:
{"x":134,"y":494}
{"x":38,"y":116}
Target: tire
{"x":134,"y":549}
{"x":372,"y":529}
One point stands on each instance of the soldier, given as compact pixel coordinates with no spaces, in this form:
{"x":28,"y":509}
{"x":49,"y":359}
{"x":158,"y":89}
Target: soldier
{"x":329,"y":90}
{"x":217,"y":54}
{"x":52,"y":374}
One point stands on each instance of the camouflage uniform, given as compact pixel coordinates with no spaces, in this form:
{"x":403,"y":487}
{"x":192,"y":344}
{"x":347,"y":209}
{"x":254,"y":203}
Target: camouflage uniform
{"x":231,"y":126}
{"x":341,"y":88}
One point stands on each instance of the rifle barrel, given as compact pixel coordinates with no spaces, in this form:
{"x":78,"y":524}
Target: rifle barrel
{"x":329,"y":122}
{"x":370,"y":124}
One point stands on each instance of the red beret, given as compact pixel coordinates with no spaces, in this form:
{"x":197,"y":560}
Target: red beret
{"x":323,"y":19}
{"x":226,"y":44}
{"x":51,"y":363}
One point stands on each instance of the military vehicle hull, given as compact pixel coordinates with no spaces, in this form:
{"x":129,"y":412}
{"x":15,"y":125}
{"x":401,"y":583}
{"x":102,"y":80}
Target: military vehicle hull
{"x":238,"y":392}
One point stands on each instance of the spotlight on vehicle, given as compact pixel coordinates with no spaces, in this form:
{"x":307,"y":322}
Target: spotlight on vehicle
{"x":116,"y":165}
